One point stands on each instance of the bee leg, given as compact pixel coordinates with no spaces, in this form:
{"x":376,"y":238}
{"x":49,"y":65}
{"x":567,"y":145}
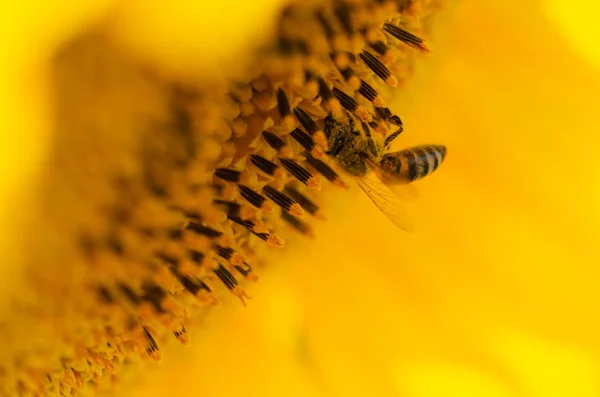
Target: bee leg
{"x":372,"y":147}
{"x":390,"y":138}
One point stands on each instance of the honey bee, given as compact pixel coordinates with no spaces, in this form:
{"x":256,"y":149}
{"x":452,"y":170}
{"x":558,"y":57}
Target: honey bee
{"x":362,"y":157}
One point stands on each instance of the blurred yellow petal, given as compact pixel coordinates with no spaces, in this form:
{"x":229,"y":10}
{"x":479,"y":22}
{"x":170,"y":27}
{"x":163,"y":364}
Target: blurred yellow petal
{"x":32,"y":34}
{"x":198,"y":39}
{"x":434,"y":379}
{"x":577,"y":22}
{"x":549,"y":368}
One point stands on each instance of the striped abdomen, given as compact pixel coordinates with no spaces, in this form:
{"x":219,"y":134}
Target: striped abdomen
{"x":413,"y":163}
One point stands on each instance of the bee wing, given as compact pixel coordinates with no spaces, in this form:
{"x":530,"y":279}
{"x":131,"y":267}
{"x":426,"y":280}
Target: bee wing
{"x":402,"y":187}
{"x":407,"y":192}
{"x":385,"y":200}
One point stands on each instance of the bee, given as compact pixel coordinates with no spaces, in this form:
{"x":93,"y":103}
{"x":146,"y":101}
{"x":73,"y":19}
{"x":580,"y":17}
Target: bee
{"x":361,"y":156}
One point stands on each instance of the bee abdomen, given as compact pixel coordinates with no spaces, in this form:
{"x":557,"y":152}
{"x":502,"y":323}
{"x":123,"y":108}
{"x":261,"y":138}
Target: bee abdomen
{"x":414,"y":163}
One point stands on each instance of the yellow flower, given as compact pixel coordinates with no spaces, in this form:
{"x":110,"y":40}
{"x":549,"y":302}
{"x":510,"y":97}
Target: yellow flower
{"x":494,"y":294}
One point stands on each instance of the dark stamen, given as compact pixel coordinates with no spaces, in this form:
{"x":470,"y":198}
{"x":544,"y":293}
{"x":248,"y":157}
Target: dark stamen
{"x":242,"y":222}
{"x":104,"y":294}
{"x":153,"y":345}
{"x":273,"y":140}
{"x":129,"y":293}
{"x":324,"y":90}
{"x":266,"y":166}
{"x":243,"y":272}
{"x":253,"y":198}
{"x":218,"y":189}
{"x":406,"y":37}
{"x":193,"y":215}
{"x":190,"y":285}
{"x":283,"y":105}
{"x":228,"y":174}
{"x":345,"y":100}
{"x":367,"y":91}
{"x":115,"y":245}
{"x":379,"y":47}
{"x":347,"y":73}
{"x":231,"y":207}
{"x":225,"y":276}
{"x":325,"y":25}
{"x":262,"y":236}
{"x":196,"y":256}
{"x":168,"y":259}
{"x":269,"y":237}
{"x":343,"y":14}
{"x":301,"y":199}
{"x":154,"y":294}
{"x":225,"y":252}
{"x":278,"y":198}
{"x":376,"y":66}
{"x":307,"y":122}
{"x":296,"y":170}
{"x":174,"y":234}
{"x":303,"y":139}
{"x":203,"y":230}
{"x":321,"y":167}
{"x":296,"y":223}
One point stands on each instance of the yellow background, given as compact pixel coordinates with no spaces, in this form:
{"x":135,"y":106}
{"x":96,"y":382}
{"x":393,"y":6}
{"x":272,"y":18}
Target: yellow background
{"x":495,"y":294}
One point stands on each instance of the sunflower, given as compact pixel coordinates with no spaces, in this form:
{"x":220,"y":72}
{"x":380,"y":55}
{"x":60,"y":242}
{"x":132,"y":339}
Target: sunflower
{"x":492,"y":295}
